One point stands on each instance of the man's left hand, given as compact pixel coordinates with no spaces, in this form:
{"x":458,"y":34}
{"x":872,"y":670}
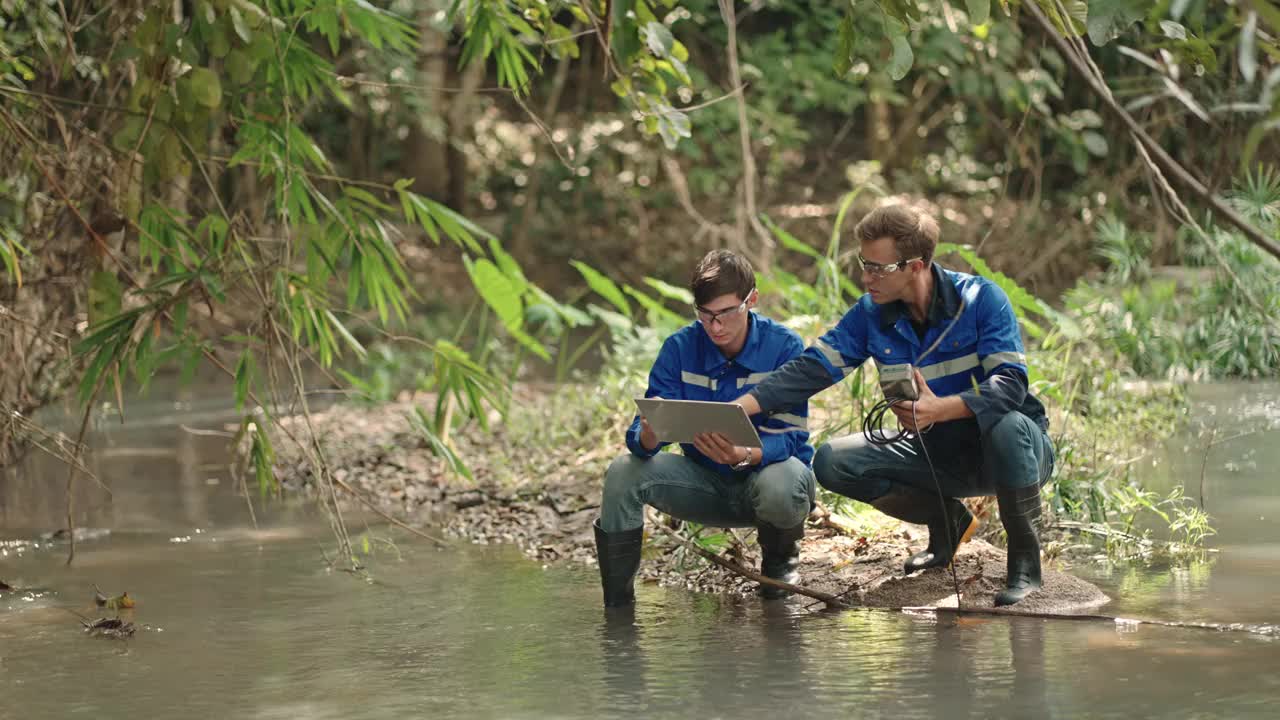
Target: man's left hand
{"x":719,"y":448}
{"x":928,"y":408}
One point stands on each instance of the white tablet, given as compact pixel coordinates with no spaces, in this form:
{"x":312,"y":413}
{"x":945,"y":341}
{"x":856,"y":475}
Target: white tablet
{"x":679,"y":420}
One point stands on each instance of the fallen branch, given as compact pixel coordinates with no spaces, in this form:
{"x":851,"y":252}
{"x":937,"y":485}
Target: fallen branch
{"x":1255,"y":629}
{"x":829,"y":599}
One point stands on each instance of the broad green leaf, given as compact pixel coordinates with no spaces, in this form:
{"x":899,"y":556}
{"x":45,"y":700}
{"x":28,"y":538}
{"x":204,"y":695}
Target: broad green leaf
{"x":1173,"y":30}
{"x":657,"y":312}
{"x":902,"y":59}
{"x":240,"y":26}
{"x":671,"y":292}
{"x":624,"y":41}
{"x":499,"y":292}
{"x":1109,"y":19}
{"x":205,"y":87}
{"x":788,"y":240}
{"x":240,"y":68}
{"x":105,"y":295}
{"x":508,"y":265}
{"x":603,"y":286}
{"x":658,"y":38}
{"x":572,"y":315}
{"x":979,"y":11}
{"x":1095,"y":143}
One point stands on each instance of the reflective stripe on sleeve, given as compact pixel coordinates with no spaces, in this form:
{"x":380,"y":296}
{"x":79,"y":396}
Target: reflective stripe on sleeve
{"x":995,"y":360}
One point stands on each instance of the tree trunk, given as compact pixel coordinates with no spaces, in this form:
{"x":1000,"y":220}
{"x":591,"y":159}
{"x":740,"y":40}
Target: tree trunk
{"x":425,"y":157}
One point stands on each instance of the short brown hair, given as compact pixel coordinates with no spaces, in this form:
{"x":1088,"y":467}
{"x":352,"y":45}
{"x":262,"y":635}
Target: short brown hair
{"x":719,"y":273}
{"x":914,"y":231}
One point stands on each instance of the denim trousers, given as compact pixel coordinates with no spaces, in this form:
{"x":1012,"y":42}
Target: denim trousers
{"x":1013,"y":453}
{"x":781,"y":494}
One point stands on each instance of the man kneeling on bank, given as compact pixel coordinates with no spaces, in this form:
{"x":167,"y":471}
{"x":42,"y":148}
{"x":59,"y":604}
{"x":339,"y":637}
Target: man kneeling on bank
{"x":984,"y":432}
{"x":727,"y":350}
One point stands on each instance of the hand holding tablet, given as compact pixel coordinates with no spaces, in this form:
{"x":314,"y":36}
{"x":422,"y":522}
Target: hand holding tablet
{"x":679,"y":420}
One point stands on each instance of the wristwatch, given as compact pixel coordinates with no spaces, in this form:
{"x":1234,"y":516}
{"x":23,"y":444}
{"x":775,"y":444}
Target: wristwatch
{"x":746,"y":462}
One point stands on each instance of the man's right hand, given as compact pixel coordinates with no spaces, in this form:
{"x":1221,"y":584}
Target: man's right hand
{"x":648,"y":438}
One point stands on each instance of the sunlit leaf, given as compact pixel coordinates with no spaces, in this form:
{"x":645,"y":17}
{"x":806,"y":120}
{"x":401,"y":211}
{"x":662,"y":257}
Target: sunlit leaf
{"x":603,"y":286}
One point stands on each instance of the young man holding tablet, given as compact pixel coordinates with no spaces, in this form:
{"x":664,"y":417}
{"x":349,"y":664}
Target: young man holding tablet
{"x":722,"y":354}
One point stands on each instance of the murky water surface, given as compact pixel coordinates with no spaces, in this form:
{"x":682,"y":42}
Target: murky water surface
{"x":249,"y":623}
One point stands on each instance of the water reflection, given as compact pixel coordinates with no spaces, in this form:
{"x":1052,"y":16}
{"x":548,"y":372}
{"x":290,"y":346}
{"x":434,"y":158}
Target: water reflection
{"x":255,"y":625}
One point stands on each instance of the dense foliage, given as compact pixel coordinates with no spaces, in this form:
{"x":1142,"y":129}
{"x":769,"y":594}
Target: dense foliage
{"x":267,"y":186}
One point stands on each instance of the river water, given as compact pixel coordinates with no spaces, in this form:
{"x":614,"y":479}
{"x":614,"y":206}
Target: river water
{"x":251,"y":623}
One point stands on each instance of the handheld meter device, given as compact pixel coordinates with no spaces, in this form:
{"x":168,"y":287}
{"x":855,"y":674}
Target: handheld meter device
{"x":898,"y":382}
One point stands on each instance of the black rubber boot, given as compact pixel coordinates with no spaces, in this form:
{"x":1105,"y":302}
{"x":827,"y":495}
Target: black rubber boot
{"x":779,"y":557}
{"x":1020,"y":513}
{"x":619,"y":557}
{"x":918,"y":507}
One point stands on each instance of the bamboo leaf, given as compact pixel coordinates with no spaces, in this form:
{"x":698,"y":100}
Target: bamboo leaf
{"x":346,"y":334}
{"x":243,"y":377}
{"x":422,"y":425}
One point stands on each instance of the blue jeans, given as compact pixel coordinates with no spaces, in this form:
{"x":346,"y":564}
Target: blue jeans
{"x":1014,"y":453}
{"x":780,"y":494}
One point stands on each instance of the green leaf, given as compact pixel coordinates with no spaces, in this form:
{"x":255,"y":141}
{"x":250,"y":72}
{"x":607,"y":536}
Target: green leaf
{"x":902,"y":59}
{"x":498,"y":291}
{"x":671,"y":292}
{"x":508,"y":265}
{"x":1095,"y":143}
{"x":245,"y":369}
{"x":206,"y":88}
{"x":673,"y":125}
{"x":979,"y":11}
{"x":238,"y":24}
{"x":1173,"y":30}
{"x":1109,"y":19}
{"x":346,"y":334}
{"x":624,"y":41}
{"x":658,"y":38}
{"x":421,"y":423}
{"x":788,"y":240}
{"x":105,"y":294}
{"x":603,"y":286}
{"x":657,"y":312}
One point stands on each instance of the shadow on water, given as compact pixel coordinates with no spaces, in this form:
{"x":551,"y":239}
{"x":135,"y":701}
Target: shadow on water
{"x":252,"y":623}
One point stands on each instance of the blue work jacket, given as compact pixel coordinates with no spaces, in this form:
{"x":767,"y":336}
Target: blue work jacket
{"x":691,"y":367}
{"x":982,"y":344}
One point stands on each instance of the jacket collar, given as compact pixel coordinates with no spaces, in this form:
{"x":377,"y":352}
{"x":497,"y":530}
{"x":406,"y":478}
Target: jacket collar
{"x":753,"y":355}
{"x":944,"y":305}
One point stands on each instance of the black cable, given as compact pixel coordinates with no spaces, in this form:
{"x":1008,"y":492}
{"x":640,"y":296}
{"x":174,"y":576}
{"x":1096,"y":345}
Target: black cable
{"x":873,"y":431}
{"x":946,"y":516}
